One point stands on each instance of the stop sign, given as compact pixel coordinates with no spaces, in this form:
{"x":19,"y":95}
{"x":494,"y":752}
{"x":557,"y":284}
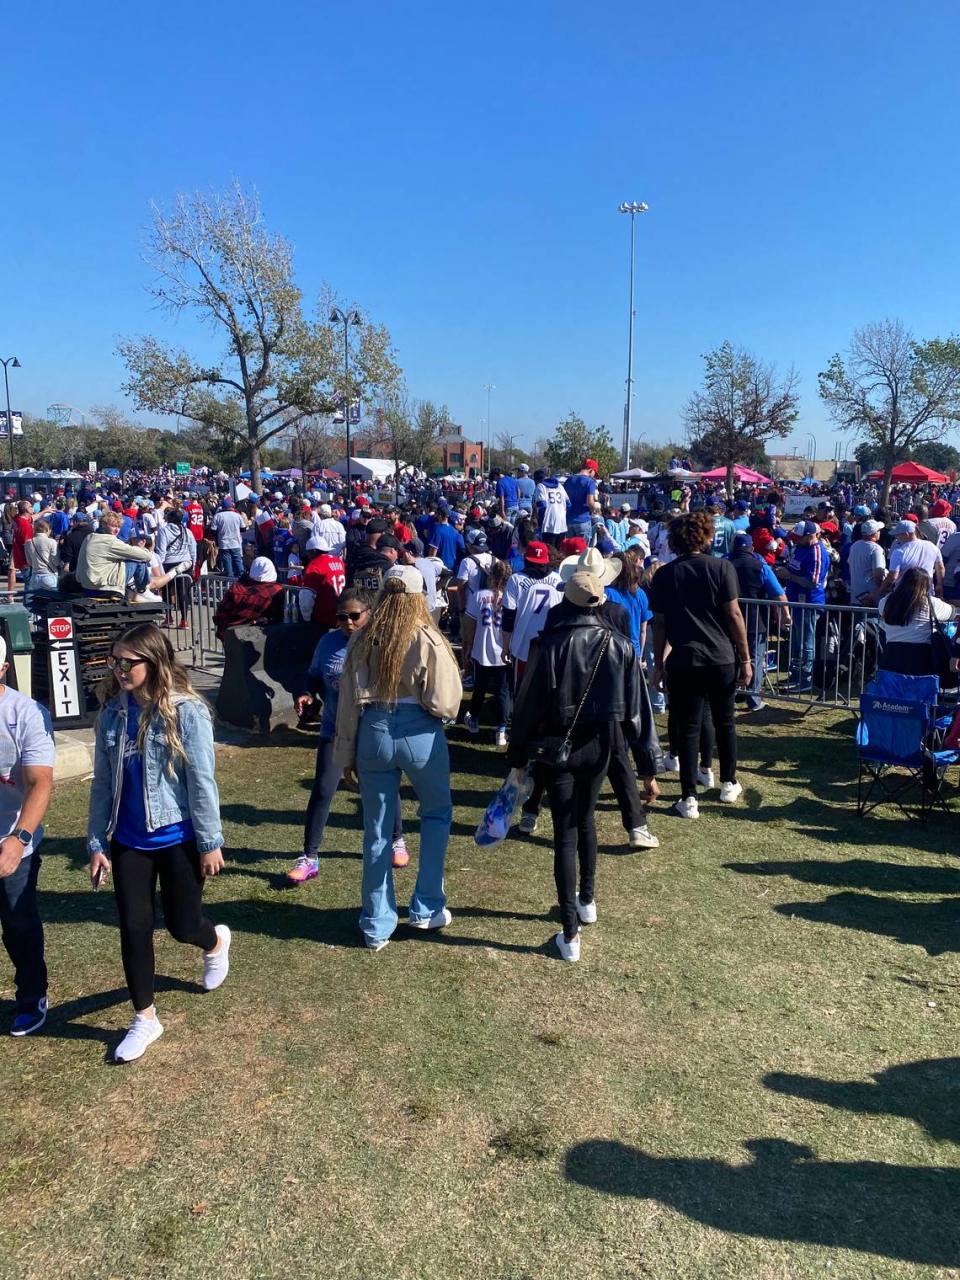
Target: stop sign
{"x":60,"y":628}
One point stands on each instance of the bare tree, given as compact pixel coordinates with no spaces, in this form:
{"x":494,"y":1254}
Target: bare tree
{"x":214,"y":257}
{"x":896,"y":392}
{"x":741,"y":405}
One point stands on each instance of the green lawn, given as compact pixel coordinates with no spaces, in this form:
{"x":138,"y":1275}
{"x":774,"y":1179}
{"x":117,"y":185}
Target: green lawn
{"x":751,"y":1073}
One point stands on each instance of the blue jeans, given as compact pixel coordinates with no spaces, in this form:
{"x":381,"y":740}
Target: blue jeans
{"x":391,"y":742}
{"x":581,"y":529}
{"x":758,"y":657}
{"x":231,"y":559}
{"x":138,"y":575}
{"x":23,"y":931}
{"x":803,"y":637}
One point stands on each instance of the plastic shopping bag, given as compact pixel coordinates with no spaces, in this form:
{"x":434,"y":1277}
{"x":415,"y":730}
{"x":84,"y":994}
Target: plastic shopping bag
{"x":502,"y":810}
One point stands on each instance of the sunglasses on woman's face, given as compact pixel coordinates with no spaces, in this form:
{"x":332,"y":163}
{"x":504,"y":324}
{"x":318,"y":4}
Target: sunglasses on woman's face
{"x":124,"y":665}
{"x":353,"y":616}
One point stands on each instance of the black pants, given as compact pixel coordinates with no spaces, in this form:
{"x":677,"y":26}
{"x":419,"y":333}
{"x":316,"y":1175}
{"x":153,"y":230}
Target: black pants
{"x":573,"y":793}
{"x":623,"y":784}
{"x":178,"y":591}
{"x":707,"y":736}
{"x":908,"y":659}
{"x":692,"y":690}
{"x":326,"y":779}
{"x":491,"y":680}
{"x":23,"y":931}
{"x":135,"y":876}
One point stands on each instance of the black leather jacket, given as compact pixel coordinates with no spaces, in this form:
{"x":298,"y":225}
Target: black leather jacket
{"x":559,"y":666}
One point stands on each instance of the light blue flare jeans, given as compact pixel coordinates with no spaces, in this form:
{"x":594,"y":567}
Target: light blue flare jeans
{"x":393,"y":741}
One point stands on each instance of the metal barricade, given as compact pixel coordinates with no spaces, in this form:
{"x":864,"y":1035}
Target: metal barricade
{"x":812,"y":654}
{"x":206,"y":596}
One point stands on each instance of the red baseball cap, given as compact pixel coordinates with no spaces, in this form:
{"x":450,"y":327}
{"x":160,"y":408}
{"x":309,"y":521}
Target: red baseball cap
{"x":590,"y":462}
{"x":941,"y":508}
{"x":911,"y":515}
{"x":537,"y":553}
{"x":573,"y":546}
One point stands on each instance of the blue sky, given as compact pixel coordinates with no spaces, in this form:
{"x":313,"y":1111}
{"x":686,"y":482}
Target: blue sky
{"x":457,"y":171}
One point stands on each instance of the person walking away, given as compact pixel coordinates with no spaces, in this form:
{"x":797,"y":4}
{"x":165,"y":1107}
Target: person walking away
{"x":27,"y":757}
{"x":227,"y":528}
{"x":400,"y":682}
{"x":485,"y":608}
{"x":581,"y":681}
{"x":323,"y":676}
{"x":154,"y":804}
{"x":471,"y":576}
{"x":757,"y":582}
{"x":323,"y":582}
{"x":177,"y":550}
{"x":807,"y":570}
{"x":724,"y":530}
{"x":699,"y":636}
{"x":582,"y":492}
{"x":525,"y":487}
{"x":912,"y":552}
{"x":43,"y":560}
{"x":908,"y":616}
{"x":551,"y":503}
{"x":508,"y":496}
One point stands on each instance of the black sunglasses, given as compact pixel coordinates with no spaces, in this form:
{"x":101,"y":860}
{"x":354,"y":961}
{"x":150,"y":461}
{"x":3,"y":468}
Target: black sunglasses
{"x":354,"y":617}
{"x":124,"y":665}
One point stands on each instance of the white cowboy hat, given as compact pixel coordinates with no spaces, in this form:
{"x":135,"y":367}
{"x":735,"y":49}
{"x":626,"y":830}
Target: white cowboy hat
{"x":591,"y":562}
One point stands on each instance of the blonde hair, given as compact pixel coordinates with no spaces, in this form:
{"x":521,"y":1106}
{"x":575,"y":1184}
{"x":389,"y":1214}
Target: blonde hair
{"x":396,"y":618}
{"x":166,"y":681}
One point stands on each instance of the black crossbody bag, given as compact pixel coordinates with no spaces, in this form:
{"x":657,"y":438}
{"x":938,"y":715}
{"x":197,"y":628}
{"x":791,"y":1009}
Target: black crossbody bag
{"x":552,"y":749}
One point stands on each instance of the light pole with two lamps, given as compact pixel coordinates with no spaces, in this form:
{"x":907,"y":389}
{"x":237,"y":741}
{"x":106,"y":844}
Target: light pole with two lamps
{"x":633,"y":207}
{"x":346,"y":318}
{"x":14,"y":363}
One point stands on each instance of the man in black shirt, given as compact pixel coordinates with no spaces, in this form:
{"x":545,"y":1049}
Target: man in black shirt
{"x":70,"y":545}
{"x":694,"y":603}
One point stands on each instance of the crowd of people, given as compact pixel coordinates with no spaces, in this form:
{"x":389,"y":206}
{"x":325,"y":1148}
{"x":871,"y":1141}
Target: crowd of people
{"x":569,"y":617}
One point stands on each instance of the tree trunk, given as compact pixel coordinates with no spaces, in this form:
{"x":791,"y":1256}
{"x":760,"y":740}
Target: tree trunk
{"x":254,"y":458}
{"x":730,"y":479}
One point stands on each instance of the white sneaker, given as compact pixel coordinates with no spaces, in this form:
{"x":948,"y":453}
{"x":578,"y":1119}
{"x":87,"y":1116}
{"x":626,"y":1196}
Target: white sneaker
{"x":706,"y":779}
{"x":216,"y":965}
{"x":376,"y":944}
{"x":730,"y":792}
{"x":143,"y":1031}
{"x":568,"y":950}
{"x":587,"y":911}
{"x":671,"y":764}
{"x":502,"y":736}
{"x":528,"y":823}
{"x":471,"y":724}
{"x":687,"y":808}
{"x":439,"y":920}
{"x":643,"y":838}
{"x":147,"y":597}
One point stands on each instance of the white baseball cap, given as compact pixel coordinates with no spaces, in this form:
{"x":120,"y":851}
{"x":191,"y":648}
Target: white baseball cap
{"x":411,"y":578}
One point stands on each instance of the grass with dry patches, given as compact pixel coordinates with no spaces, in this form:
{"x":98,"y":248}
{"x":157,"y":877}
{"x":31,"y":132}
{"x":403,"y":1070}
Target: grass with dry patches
{"x":751,"y":1073}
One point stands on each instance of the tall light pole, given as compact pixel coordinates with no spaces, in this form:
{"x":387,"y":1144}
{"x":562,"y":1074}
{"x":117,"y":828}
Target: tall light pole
{"x":346,"y":319}
{"x":11,"y":360}
{"x":633,"y":207}
{"x":488,"y":387}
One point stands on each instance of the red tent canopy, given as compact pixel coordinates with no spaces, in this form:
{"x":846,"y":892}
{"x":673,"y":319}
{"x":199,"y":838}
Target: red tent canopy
{"x":912,"y":473}
{"x":744,"y":474}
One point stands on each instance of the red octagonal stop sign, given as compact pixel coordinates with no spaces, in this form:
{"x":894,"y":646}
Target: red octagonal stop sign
{"x":60,"y":628}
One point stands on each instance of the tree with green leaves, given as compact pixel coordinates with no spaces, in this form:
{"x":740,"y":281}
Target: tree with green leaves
{"x":899,"y":394}
{"x":573,"y":441}
{"x":741,"y":405}
{"x":215,"y":258}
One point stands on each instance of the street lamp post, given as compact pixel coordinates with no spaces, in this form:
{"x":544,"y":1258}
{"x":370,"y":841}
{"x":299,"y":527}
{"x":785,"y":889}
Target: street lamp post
{"x":346,"y":318}
{"x":11,"y":360}
{"x":633,"y":207}
{"x":488,"y":387}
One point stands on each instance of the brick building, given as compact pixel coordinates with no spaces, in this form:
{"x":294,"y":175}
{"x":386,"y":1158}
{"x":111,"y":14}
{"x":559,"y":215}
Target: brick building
{"x":458,"y":453}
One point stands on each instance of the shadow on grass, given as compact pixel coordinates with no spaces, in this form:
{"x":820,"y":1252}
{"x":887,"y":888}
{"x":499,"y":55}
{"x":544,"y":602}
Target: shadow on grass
{"x":859,"y":873}
{"x":62,"y":1021}
{"x":785,"y":1193}
{"x":935,"y":926}
{"x":926,"y":1092}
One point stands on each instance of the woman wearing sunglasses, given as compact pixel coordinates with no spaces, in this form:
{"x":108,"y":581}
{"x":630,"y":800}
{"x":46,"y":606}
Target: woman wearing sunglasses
{"x":323,"y":675}
{"x":154,"y":803}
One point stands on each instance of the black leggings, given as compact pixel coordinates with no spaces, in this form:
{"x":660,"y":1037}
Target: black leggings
{"x":491,"y":680}
{"x":178,"y":591}
{"x":573,"y":795}
{"x":326,"y":779}
{"x":135,"y":876}
{"x":694,"y":690}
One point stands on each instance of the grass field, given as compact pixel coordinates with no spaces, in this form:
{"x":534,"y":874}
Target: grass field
{"x":752,"y":1073}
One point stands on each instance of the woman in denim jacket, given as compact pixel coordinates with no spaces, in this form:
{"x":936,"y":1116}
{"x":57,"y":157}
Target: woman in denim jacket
{"x":155,"y":801}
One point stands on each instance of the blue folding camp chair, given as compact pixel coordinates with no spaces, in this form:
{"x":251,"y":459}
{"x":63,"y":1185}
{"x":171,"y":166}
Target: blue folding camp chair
{"x":900,"y":729}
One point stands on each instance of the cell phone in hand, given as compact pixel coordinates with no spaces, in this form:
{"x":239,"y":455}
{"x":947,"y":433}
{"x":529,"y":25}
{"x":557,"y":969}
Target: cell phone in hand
{"x":99,"y":876}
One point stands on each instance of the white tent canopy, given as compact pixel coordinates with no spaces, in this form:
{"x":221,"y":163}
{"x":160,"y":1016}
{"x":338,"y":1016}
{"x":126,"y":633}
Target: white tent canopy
{"x":367,"y":468}
{"x":636,"y":473}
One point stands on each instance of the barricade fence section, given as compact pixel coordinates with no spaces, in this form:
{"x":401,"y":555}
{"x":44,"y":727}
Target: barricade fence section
{"x":816,"y":654}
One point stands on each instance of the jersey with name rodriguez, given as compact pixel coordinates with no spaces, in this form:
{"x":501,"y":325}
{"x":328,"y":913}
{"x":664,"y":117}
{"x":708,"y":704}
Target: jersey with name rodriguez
{"x":532,"y":599}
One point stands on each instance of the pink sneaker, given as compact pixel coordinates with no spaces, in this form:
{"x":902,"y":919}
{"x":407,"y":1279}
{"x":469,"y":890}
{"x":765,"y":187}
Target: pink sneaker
{"x":303,"y":869}
{"x":401,"y":854}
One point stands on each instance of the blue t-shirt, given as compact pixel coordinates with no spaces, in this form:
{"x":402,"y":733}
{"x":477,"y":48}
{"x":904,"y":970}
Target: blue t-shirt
{"x":771,"y":583}
{"x":126,"y":529}
{"x":808,"y":562}
{"x":507,"y":490}
{"x":637,"y":609}
{"x":579,"y":489}
{"x":131,"y":829}
{"x":526,"y":489}
{"x":326,"y":665}
{"x":449,"y":544}
{"x":59,"y":523}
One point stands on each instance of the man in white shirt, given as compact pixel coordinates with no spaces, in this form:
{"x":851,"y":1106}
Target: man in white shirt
{"x":330,"y":531}
{"x":551,"y":503}
{"x":911,"y":552}
{"x":228,"y":526}
{"x":528,"y":598}
{"x":867,"y":564}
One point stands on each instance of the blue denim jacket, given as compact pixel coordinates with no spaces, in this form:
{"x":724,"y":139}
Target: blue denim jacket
{"x":191,"y":791}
